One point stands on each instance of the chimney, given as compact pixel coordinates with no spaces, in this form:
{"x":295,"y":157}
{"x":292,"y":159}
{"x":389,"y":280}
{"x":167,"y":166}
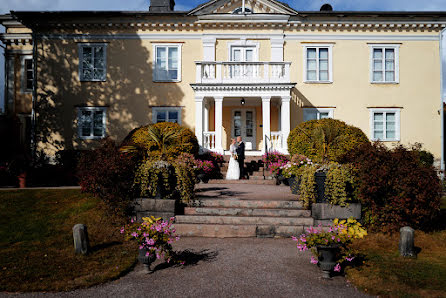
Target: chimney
{"x":162,"y":5}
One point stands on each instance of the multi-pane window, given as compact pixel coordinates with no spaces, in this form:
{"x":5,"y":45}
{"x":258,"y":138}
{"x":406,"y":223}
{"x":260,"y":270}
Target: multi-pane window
{"x":91,"y":122}
{"x":167,"y":64}
{"x":385,"y":125}
{"x":317,"y":113}
{"x":167,"y":115}
{"x":318,"y":64}
{"x":384,"y":64}
{"x":27,"y":74}
{"x":92,"y":62}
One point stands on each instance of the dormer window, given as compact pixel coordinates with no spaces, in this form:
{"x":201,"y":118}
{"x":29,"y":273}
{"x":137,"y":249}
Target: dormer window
{"x":240,"y":10}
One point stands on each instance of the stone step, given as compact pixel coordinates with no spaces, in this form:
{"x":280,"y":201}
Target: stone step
{"x":254,"y":204}
{"x":237,"y":231}
{"x":244,"y":220}
{"x":247,"y":212}
{"x":247,"y":181}
{"x":257,"y":173}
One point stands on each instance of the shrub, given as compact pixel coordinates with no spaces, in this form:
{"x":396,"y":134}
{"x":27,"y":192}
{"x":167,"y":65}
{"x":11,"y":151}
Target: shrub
{"x":395,"y":188}
{"x":108,"y":174}
{"x":164,"y":139}
{"x":341,"y":185}
{"x":325,"y":139}
{"x":308,"y":186}
{"x":186,"y":176}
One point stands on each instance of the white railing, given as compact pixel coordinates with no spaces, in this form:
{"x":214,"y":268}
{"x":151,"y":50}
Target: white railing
{"x":276,"y":140}
{"x":209,"y":140}
{"x":242,"y":72}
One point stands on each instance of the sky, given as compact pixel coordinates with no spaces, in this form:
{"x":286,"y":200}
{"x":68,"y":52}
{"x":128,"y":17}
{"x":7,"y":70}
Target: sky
{"x":302,"y":5}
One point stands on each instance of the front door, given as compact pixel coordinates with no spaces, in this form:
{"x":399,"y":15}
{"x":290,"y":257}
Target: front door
{"x":244,"y":125}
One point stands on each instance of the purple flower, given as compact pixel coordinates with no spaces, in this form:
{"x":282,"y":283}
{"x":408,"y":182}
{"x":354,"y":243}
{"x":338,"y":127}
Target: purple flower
{"x":122,"y":230}
{"x":150,"y":242}
{"x":134,"y":234}
{"x":313,"y":260}
{"x":349,"y":259}
{"x":337,"y":268}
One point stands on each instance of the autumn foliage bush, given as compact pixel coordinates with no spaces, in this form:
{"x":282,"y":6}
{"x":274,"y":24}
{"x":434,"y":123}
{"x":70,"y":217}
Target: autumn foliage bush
{"x":108,"y":174}
{"x":395,"y":188}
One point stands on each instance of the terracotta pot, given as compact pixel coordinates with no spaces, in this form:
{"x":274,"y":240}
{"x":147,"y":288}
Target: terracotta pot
{"x":22,"y":180}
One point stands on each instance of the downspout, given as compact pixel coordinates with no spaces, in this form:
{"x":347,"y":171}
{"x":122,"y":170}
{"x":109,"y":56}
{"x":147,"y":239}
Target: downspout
{"x":442,"y":69}
{"x":34,"y":98}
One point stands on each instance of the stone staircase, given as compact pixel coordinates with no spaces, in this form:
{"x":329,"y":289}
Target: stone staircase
{"x":247,"y":210}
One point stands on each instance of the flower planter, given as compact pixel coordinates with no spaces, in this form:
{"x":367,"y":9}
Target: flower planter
{"x":145,"y":260}
{"x":294,"y":183}
{"x":325,"y":212}
{"x":203,"y":178}
{"x":327,"y":259}
{"x":320,"y":187}
{"x":145,"y":207}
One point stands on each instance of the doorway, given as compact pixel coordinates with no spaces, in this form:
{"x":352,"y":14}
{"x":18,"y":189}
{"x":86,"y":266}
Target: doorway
{"x":244,"y":125}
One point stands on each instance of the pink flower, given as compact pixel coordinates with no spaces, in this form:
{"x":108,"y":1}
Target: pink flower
{"x":337,"y":268}
{"x":349,"y":259}
{"x":333,"y":237}
{"x":122,"y":230}
{"x":339,"y":240}
{"x":134,"y":234}
{"x":150,"y":242}
{"x":313,"y":260}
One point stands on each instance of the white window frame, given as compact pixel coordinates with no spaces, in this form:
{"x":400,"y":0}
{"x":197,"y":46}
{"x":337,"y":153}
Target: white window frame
{"x":384,"y":111}
{"x":23,"y":73}
{"x":396,"y":48}
{"x":330,"y":62}
{"x":104,"y":122}
{"x":180,"y":54}
{"x":156,"y":110}
{"x":318,"y":111}
{"x":243,"y":43}
{"x":81,"y":54}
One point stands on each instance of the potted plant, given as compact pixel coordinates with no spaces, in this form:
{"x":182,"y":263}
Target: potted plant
{"x":154,"y":237}
{"x":331,"y":248}
{"x":292,"y":171}
{"x":204,"y":169}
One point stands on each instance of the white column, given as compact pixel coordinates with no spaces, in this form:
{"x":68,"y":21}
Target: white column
{"x":10,"y":84}
{"x":266,"y":112}
{"x":206,"y":117}
{"x":218,"y":123}
{"x":286,"y":121}
{"x":199,"y":119}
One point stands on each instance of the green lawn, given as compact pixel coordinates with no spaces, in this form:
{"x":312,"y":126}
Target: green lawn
{"x":36,"y":244}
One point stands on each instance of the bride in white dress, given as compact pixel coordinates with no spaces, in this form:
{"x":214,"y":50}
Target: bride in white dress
{"x":233,"y":168}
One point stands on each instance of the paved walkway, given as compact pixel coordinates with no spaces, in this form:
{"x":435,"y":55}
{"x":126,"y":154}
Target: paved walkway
{"x":244,"y":192}
{"x":227,"y":268}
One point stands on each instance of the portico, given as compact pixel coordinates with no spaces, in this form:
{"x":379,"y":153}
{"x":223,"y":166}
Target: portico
{"x":258,"y":113}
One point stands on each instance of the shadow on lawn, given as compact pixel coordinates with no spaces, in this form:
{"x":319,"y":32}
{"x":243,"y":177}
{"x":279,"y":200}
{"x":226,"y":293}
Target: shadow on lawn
{"x":190,"y":258}
{"x":104,"y":246}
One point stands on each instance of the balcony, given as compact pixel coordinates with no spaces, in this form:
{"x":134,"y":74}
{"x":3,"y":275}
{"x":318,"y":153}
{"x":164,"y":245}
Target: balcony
{"x":217,"y":72}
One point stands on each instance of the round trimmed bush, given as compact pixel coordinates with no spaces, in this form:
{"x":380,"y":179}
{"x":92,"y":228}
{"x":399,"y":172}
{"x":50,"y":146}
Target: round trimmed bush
{"x":183,"y":140}
{"x":325,"y":139}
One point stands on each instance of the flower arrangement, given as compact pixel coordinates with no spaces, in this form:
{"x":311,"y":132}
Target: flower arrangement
{"x":153,"y":235}
{"x":294,"y":167}
{"x":274,"y":160}
{"x":204,"y":166}
{"x":217,"y":157}
{"x":341,"y":234}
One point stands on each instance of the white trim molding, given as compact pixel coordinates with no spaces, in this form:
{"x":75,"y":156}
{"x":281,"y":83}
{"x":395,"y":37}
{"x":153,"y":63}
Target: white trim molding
{"x":318,"y":46}
{"x":179,"y":46}
{"x":385,"y":111}
{"x":396,"y":63}
{"x":156,"y":110}
{"x":23,"y":73}
{"x":318,"y":112}
{"x":81,"y":47}
{"x":104,"y":122}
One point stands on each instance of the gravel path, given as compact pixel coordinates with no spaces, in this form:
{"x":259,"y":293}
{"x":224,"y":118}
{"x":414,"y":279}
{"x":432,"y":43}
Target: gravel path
{"x":246,"y":267}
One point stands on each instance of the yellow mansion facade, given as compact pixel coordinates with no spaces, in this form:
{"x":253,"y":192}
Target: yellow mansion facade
{"x":254,"y":68}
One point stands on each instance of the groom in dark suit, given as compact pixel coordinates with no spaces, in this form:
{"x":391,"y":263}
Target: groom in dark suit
{"x":241,"y":156}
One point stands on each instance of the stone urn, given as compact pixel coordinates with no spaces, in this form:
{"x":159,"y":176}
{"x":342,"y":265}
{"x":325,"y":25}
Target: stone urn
{"x":203,"y":177}
{"x":145,"y":260}
{"x":294,"y":183}
{"x":327,"y":259}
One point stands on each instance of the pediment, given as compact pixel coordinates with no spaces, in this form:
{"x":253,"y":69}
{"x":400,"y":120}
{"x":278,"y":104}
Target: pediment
{"x":255,"y":6}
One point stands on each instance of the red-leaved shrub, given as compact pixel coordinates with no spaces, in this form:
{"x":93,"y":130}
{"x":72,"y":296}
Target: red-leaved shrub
{"x":108,"y":174}
{"x":395,"y":188}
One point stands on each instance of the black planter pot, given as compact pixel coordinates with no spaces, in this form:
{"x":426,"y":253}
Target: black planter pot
{"x":145,"y":260}
{"x":294,"y":183}
{"x":203,"y":178}
{"x":327,"y":259}
{"x":320,"y":187}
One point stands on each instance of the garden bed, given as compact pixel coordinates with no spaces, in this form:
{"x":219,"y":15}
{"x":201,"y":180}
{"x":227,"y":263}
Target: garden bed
{"x":36,"y":244}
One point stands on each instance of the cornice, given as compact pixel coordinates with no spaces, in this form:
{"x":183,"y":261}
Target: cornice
{"x":243,"y":87}
{"x":16,"y":38}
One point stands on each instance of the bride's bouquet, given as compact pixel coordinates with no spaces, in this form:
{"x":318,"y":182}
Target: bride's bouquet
{"x":235,"y":156}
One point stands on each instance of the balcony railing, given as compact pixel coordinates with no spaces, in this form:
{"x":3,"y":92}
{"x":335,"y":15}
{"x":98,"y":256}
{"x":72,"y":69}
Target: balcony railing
{"x":276,"y":140}
{"x":242,"y":72}
{"x":209,"y":140}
